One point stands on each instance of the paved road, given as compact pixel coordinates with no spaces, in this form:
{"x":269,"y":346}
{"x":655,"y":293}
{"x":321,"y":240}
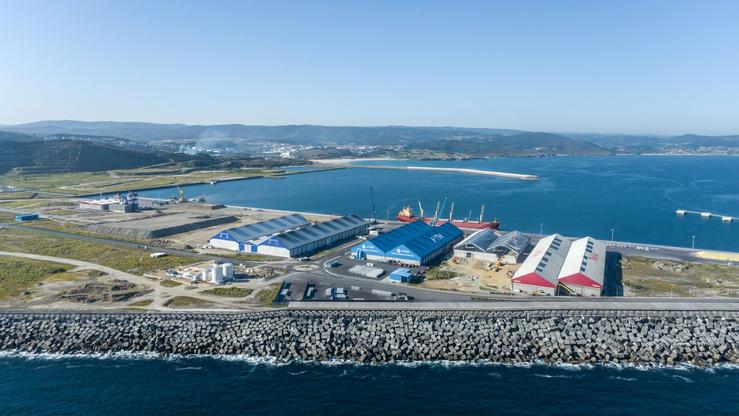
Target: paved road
{"x":625,"y":305}
{"x":160,"y":293}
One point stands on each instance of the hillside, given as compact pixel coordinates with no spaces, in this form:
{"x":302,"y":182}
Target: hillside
{"x":521,"y":144}
{"x":77,"y":155}
{"x":298,"y":134}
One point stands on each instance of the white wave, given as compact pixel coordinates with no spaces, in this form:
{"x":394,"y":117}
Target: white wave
{"x":188,"y":368}
{"x":274,"y":361}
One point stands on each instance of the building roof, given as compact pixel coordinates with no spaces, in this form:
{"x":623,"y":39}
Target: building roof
{"x":542,"y":266}
{"x":402,"y":271}
{"x":265,"y":228}
{"x":318,"y":231}
{"x":435,"y":237}
{"x":399,"y":236}
{"x":487,"y":241}
{"x":585,"y":264}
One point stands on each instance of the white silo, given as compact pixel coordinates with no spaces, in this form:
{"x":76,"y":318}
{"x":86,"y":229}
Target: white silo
{"x":206,"y":275}
{"x":228,"y":270}
{"x":217,"y":274}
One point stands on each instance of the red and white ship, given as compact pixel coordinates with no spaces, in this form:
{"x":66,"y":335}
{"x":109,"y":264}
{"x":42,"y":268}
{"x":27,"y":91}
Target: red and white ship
{"x":407,"y":215}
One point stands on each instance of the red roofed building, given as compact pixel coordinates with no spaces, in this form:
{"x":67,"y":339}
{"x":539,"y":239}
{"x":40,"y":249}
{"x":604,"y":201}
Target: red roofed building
{"x":540,"y":271}
{"x":583,"y":270}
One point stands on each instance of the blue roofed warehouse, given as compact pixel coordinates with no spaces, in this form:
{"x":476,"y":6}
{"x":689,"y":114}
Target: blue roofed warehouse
{"x":415,"y":243}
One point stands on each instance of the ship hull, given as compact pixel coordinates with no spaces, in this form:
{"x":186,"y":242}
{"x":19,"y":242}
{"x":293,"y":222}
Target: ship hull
{"x":474,"y":225}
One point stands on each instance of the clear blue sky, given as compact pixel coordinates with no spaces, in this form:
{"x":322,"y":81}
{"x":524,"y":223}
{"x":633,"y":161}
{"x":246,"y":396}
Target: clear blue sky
{"x":590,"y":66}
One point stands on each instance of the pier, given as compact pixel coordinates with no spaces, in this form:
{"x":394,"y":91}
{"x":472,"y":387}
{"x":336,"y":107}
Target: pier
{"x":707,"y":215}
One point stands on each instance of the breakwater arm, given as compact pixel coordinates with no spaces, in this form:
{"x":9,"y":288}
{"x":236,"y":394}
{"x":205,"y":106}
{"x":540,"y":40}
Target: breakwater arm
{"x":508,"y":175}
{"x":624,"y":337}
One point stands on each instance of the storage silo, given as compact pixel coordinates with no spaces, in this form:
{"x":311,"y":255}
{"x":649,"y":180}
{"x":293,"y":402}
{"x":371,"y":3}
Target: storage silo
{"x":228,"y":270}
{"x":217,"y":274}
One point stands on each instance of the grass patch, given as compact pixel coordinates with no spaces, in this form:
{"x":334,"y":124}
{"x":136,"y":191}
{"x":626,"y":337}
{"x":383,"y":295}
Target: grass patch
{"x":268,"y":294}
{"x":185,"y":301}
{"x":654,"y":277}
{"x":440,"y":274}
{"x":170,"y":283}
{"x":141,"y":303}
{"x":249,"y":257}
{"x":119,"y":258}
{"x":17,"y":195}
{"x":229,"y":292}
{"x":61,"y":211}
{"x":18,"y":274}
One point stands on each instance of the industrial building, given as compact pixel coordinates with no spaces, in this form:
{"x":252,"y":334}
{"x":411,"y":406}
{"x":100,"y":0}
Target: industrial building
{"x":415,"y":243}
{"x":583,"y":270}
{"x":26,"y":217}
{"x":289,"y":236}
{"x":401,"y":275}
{"x":117,"y":203}
{"x":539,"y":272}
{"x":486,"y":245}
{"x":576,"y":267}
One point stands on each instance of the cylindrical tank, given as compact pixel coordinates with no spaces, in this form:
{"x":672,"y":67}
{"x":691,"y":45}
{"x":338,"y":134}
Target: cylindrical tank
{"x":206,"y":275}
{"x":228,"y":270}
{"x":217,"y":274}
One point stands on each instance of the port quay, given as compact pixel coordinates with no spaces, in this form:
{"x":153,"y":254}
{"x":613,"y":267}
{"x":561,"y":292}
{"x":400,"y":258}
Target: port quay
{"x":706,"y":214}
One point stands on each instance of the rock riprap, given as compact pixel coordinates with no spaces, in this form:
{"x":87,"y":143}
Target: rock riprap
{"x":698,"y":338}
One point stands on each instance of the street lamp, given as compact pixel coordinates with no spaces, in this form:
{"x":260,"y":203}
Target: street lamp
{"x":541,"y":229}
{"x":612,"y":231}
{"x":692,"y":246}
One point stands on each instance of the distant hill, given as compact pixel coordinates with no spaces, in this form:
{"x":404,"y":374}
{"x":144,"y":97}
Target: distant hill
{"x":686,"y":141}
{"x":521,"y":144}
{"x":79,"y":155}
{"x":299,"y":134}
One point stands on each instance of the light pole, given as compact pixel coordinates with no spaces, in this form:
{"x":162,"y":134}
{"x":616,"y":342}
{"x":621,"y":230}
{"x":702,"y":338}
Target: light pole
{"x":692,"y":246}
{"x":541,"y":230}
{"x":612,"y":231}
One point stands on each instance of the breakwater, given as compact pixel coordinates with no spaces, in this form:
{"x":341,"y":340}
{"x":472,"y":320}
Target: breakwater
{"x":623,"y":337}
{"x":486,"y":172}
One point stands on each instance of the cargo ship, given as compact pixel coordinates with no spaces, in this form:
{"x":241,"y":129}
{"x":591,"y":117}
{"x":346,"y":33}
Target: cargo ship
{"x":407,"y":215}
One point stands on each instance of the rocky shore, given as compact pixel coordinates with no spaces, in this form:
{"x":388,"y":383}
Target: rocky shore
{"x":624,"y":337}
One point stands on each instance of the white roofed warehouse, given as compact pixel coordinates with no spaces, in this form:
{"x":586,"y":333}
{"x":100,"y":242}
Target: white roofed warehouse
{"x":539,"y":273}
{"x":583,"y":270}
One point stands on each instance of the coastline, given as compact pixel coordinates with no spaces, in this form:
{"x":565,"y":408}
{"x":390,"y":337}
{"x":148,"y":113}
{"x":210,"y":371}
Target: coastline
{"x":627,"y":338}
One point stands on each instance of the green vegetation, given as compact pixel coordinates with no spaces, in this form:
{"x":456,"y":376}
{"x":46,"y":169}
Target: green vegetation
{"x":186,"y":301}
{"x":17,"y":195}
{"x":60,"y":211}
{"x":268,"y":294}
{"x":6,"y":217}
{"x":125,"y":259}
{"x":170,"y":283}
{"x":230,"y":292}
{"x":80,"y":183}
{"x":249,"y":257}
{"x":141,"y":303}
{"x":440,"y":274}
{"x":653,"y":277}
{"x":18,"y":274}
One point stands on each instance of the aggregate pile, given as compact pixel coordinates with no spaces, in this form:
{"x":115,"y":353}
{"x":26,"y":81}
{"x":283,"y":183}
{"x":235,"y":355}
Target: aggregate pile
{"x":623,"y":337}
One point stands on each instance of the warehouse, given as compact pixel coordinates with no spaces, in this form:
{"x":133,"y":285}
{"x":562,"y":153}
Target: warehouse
{"x":308,"y":240}
{"x":583,"y":270}
{"x":239,"y":238}
{"x":486,"y":245}
{"x":415,"y":243}
{"x":539,"y":273}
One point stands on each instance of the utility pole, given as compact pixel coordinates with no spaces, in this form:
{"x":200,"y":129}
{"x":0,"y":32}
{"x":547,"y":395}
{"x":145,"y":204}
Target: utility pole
{"x":612,"y":231}
{"x":541,"y":230}
{"x":692,"y":246}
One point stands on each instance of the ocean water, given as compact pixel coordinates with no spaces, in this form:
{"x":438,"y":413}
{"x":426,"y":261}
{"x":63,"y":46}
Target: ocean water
{"x":210,"y":386}
{"x":636,"y":196}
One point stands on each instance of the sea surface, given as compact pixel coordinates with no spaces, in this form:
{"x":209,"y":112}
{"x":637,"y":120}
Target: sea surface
{"x":635,"y":196}
{"x":214,"y":386}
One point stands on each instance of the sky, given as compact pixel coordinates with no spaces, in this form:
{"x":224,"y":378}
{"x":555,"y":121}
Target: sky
{"x":659,"y":67}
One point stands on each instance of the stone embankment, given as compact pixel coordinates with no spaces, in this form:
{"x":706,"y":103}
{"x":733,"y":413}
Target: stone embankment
{"x":698,"y":338}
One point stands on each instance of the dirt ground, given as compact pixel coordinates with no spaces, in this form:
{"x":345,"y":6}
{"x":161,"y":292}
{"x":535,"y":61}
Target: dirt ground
{"x":472,"y":276}
{"x":653,"y":277}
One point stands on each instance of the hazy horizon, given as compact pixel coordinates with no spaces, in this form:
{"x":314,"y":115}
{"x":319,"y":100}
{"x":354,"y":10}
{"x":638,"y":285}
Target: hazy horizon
{"x":575,"y":67}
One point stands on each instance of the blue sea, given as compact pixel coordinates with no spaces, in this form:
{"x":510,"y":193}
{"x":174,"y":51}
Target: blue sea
{"x":635,"y":196}
{"x":214,"y":386}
